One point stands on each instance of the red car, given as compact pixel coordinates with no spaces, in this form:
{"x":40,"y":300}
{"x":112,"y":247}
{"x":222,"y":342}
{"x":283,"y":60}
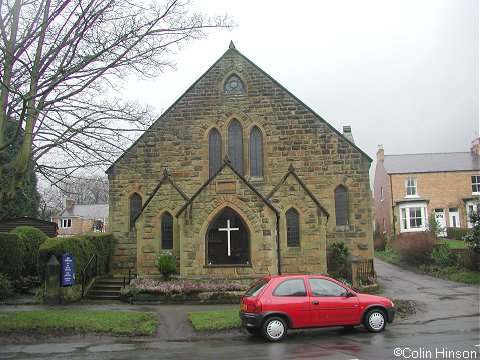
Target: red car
{"x":274,"y":304}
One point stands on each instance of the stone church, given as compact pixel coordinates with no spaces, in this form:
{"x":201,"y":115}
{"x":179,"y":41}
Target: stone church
{"x":239,"y":178}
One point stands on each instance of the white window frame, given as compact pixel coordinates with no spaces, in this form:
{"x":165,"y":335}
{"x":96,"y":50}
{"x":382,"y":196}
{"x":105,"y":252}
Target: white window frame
{"x":475,"y":184}
{"x":408,"y":186}
{"x":406,"y":213}
{"x":65,"y":223}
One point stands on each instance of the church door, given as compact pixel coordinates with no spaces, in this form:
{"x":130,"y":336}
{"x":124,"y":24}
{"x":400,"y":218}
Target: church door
{"x":227,"y":240}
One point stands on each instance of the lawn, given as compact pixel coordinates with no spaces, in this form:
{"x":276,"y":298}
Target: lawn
{"x":215,"y":320}
{"x":454,"y":244}
{"x":113,"y":322}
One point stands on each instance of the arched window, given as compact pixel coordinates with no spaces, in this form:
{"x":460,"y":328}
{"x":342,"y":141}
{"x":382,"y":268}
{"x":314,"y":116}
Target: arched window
{"x":234,"y":85}
{"x":235,"y":145}
{"x":293,"y":228}
{"x":167,"y":231}
{"x":227,"y":240}
{"x":341,"y":205}
{"x":214,"y":152}
{"x":135,"y":209}
{"x":256,"y":153}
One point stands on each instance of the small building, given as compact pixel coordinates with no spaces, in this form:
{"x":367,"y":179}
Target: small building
{"x":239,"y":178}
{"x":409,"y":188}
{"x":49,"y":228}
{"x":77,"y":219}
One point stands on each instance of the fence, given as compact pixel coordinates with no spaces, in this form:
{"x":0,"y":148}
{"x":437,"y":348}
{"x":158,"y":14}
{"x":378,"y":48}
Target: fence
{"x":363,"y":272}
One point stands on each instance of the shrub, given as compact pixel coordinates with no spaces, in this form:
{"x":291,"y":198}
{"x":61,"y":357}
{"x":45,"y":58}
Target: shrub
{"x":32,"y":239}
{"x":456,"y":233}
{"x":5,"y":285}
{"x":166,"y":264}
{"x":414,"y":248}
{"x":434,"y":226}
{"x":12,"y":252}
{"x":337,"y":260}
{"x":442,"y":257}
{"x":473,"y":236}
{"x":82,"y":248}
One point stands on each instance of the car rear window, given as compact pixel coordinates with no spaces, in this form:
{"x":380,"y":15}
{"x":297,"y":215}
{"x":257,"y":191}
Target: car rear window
{"x":257,"y":287}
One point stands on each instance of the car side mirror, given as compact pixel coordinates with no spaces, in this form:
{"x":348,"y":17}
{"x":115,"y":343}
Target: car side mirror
{"x":351,"y":294}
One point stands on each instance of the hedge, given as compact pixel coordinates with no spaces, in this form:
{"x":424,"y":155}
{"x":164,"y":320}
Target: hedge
{"x":82,"y":247}
{"x":12,"y":252}
{"x":32,"y":238}
{"x":456,"y":233}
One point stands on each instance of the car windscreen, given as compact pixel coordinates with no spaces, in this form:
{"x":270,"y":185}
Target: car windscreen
{"x":257,"y":287}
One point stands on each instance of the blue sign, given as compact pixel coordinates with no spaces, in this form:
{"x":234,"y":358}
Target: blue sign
{"x":68,"y":277}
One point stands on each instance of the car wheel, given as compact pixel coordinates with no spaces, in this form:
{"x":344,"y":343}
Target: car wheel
{"x":375,"y":320}
{"x":274,"y":329}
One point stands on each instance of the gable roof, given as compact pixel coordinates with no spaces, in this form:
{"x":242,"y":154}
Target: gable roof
{"x":435,"y":162}
{"x":91,"y":211}
{"x":226,"y":163}
{"x":233,"y":50}
{"x":291,"y":171}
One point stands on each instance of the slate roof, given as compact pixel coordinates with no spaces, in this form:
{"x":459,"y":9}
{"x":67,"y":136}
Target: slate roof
{"x":92,"y":211}
{"x":438,"y":162}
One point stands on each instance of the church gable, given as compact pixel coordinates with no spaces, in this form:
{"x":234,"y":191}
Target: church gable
{"x":237,"y":110}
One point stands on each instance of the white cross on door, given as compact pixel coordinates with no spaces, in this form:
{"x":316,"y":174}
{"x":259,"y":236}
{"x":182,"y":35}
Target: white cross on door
{"x":228,"y":229}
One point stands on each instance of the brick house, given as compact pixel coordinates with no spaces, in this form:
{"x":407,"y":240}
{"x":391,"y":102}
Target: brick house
{"x":411,"y":187}
{"x":77,"y":219}
{"x":237,"y":178}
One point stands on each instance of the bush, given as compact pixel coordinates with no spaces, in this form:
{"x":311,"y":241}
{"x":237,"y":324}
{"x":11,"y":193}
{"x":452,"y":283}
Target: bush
{"x":456,"y":233}
{"x":12,"y":253}
{"x":473,"y":236}
{"x":337,"y":260}
{"x":32,"y":239}
{"x":166,"y":264}
{"x":5,"y":285}
{"x":414,"y":248}
{"x":82,"y":248}
{"x":442,"y":257}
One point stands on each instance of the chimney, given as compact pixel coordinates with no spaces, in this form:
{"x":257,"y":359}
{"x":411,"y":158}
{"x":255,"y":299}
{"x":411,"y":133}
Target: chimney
{"x":69,"y":204}
{"x":475,"y":149}
{"x":380,"y":153}
{"x":347,"y":132}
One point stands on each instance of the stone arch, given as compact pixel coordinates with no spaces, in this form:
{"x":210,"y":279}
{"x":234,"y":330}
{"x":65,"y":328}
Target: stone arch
{"x":244,"y":78}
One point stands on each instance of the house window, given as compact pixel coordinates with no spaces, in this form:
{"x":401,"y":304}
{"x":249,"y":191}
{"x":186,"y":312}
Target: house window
{"x":293,"y":228}
{"x":476,"y":184}
{"x":234,"y":85}
{"x":65,"y":223}
{"x":411,"y":187}
{"x":256,"y":153}
{"x":341,"y":205}
{"x":413,"y":217}
{"x":167,"y":232}
{"x":235,"y":145}
{"x":135,"y":209}
{"x":214,"y":152}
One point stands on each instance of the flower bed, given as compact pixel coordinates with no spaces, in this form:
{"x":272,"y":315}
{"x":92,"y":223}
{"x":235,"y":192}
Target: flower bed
{"x":183,"y":291}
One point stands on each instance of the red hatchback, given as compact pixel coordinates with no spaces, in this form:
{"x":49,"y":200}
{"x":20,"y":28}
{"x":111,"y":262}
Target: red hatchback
{"x":274,"y":304}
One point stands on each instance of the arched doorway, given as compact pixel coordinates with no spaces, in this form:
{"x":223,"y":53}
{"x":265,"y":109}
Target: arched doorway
{"x":227,"y":240}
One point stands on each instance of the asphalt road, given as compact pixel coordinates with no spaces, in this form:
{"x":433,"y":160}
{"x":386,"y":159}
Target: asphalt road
{"x":447,"y":327}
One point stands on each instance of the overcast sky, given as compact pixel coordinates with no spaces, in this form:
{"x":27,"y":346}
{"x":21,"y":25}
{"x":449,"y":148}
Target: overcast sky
{"x":403,"y":73}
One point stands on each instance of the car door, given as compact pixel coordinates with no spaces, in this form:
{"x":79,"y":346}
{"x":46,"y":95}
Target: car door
{"x":290,"y":297}
{"x":332,"y":304}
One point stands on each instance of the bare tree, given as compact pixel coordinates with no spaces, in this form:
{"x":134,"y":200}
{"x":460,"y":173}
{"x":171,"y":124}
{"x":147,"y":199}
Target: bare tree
{"x":59,"y":57}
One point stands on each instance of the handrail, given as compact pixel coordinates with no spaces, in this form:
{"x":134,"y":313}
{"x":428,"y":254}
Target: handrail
{"x":130,"y":277}
{"x":85,"y":271}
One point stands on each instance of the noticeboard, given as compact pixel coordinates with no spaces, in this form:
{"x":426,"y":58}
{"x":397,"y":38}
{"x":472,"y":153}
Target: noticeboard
{"x":67,"y":266}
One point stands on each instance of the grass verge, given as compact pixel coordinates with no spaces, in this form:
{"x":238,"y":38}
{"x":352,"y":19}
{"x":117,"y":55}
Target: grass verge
{"x":215,"y":320}
{"x":81,"y":321}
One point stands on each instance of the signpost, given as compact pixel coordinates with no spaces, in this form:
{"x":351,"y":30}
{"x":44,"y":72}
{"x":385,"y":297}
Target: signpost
{"x":67,"y":267}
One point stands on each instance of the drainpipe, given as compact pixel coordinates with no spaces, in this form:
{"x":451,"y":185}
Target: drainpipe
{"x":279,"y":265}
